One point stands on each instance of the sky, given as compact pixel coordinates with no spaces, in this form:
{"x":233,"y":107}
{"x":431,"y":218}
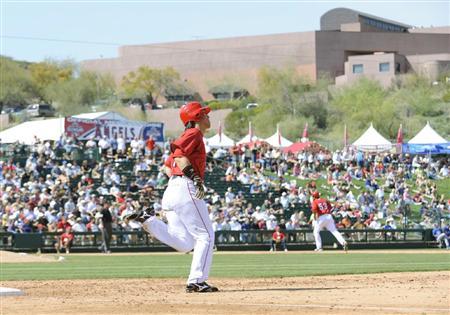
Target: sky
{"x":82,"y":29}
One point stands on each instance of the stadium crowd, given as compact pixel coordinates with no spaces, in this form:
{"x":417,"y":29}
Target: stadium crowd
{"x":61,"y":187}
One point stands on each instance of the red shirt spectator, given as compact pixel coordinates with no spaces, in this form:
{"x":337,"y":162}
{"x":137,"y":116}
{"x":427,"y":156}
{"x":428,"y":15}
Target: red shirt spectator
{"x":63,"y":225}
{"x":150,"y":143}
{"x":261,"y":224}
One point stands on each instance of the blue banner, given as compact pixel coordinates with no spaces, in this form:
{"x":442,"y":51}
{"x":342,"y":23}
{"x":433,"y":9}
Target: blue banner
{"x":441,"y":148}
{"x":156,"y":130}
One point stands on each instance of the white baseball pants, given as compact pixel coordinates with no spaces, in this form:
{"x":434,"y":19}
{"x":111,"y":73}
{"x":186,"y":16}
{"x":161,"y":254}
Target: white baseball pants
{"x":444,"y":237}
{"x":188,"y":226}
{"x":326,"y":221}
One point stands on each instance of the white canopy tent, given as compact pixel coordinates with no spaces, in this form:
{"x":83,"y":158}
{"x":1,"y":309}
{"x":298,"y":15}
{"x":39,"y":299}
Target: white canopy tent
{"x":372,"y":141}
{"x":47,"y":129}
{"x":427,"y":136}
{"x":220,"y":141}
{"x":247,"y":139}
{"x":101,"y":115}
{"x":277,"y":140}
{"x":250,"y":137}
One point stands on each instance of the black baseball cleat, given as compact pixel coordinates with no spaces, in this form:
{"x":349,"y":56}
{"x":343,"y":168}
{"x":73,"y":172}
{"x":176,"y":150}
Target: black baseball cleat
{"x":140,"y":215}
{"x":201,"y":287}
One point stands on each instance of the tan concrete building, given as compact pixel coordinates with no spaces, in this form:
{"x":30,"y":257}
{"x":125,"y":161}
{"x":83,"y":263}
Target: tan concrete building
{"x":347,"y":39}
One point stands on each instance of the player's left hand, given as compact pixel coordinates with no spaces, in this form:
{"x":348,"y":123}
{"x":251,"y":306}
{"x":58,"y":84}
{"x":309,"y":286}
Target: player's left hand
{"x":201,"y":192}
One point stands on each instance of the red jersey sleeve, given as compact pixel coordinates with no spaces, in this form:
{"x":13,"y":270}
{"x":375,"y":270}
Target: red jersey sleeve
{"x":169,"y":161}
{"x":191,"y":146}
{"x":185,"y":145}
{"x":174,"y":169}
{"x":314,"y":207}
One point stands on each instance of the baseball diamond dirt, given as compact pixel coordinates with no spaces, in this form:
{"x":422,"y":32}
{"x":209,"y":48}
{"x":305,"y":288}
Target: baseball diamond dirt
{"x":386,"y":293}
{"x":390,"y":293}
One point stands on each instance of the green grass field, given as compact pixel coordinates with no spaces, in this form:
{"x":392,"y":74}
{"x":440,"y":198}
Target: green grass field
{"x":226,"y":265}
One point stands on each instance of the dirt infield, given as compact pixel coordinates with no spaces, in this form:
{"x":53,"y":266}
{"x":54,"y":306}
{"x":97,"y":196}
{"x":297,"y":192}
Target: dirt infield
{"x":10,"y":257}
{"x":389,"y":293}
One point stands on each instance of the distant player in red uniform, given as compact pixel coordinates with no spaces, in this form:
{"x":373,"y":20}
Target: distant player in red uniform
{"x":188,"y":225}
{"x":66,"y":240}
{"x":278,"y":238}
{"x":323,"y":219}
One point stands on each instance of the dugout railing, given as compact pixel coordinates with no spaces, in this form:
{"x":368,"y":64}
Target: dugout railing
{"x":225,"y":240}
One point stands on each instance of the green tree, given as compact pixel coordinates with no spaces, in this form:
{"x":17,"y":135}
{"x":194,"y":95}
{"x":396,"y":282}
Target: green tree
{"x":282,"y":88}
{"x":44,"y":74}
{"x":237,"y":122}
{"x":16,"y":86}
{"x":292,"y":94}
{"x":360,"y":104}
{"x":149,"y":83}
{"x":73,"y":96}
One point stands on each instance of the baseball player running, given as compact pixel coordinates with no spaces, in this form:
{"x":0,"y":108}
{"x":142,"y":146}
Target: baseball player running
{"x":188,"y":225}
{"x":323,"y":219}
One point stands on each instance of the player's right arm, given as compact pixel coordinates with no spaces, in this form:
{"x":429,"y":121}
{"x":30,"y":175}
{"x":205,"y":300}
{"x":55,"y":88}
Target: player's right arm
{"x":182,"y":162}
{"x":185,"y":166}
{"x":314,"y":210}
{"x":181,"y":149}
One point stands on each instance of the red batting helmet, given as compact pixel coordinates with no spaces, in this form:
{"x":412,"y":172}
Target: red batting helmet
{"x":192,"y":112}
{"x":316,"y":194}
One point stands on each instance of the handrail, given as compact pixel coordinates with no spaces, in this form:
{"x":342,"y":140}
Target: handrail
{"x":141,"y":240}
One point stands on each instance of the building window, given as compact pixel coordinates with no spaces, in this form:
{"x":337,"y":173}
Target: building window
{"x":384,"y":67}
{"x":358,"y":68}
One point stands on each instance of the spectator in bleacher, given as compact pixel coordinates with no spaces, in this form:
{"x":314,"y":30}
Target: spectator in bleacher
{"x":234,"y":224}
{"x":293,"y":197}
{"x":443,"y":172}
{"x":256,"y":187}
{"x":243,"y":177}
{"x":141,"y":146}
{"x":231,"y":173}
{"x":103,"y":189}
{"x":389,"y":225}
{"x":271,"y":222}
{"x":135,"y":149}
{"x":149,"y":146}
{"x":229,"y":196}
{"x":284,"y":200}
{"x":121,"y":145}
{"x":91,"y":144}
{"x":220,"y":153}
{"x":359,"y":225}
{"x":260,"y":214}
{"x":374,"y":224}
{"x":277,"y":207}
{"x":32,"y":185}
